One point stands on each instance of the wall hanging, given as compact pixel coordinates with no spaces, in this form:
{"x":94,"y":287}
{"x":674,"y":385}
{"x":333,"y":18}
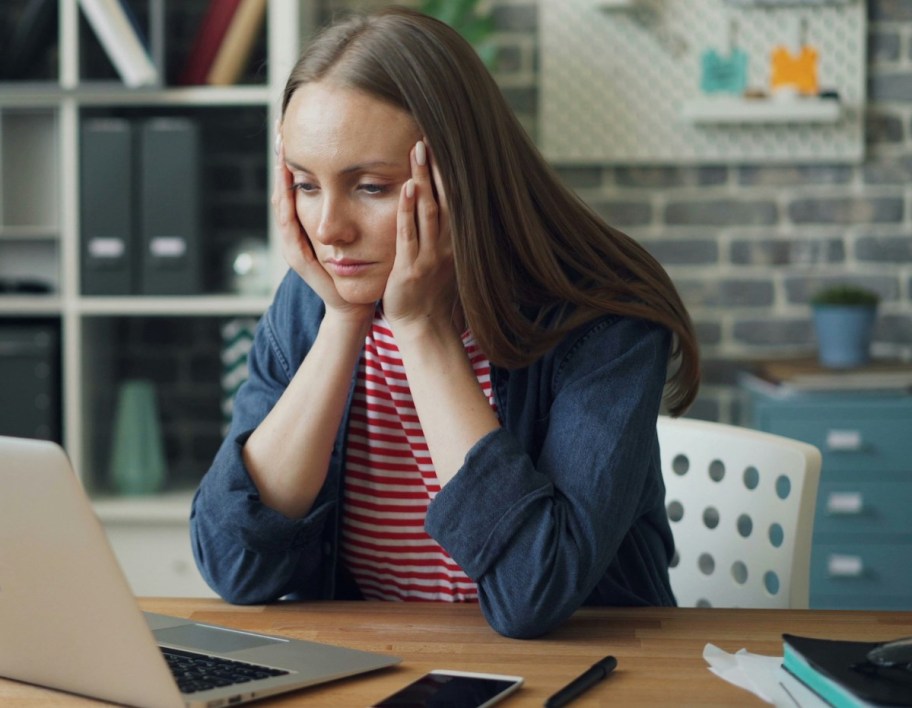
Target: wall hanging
{"x":695,"y":81}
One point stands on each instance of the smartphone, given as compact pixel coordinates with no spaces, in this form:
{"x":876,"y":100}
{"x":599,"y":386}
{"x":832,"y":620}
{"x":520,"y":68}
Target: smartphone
{"x":453,"y":689}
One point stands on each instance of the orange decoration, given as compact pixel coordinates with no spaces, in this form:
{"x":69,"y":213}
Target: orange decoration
{"x":799,"y":71}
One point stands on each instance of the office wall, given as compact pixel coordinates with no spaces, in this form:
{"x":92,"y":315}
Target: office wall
{"x":746,"y":244}
{"x":743,"y":243}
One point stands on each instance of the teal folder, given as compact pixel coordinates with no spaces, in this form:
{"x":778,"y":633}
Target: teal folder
{"x":837,"y":671}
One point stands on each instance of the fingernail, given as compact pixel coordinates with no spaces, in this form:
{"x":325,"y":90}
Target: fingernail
{"x":420,"y":153}
{"x":278,"y":143}
{"x":410,"y":188}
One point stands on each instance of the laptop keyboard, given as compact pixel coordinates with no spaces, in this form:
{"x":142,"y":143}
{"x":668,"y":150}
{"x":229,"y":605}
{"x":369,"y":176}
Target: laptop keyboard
{"x":200,"y":672}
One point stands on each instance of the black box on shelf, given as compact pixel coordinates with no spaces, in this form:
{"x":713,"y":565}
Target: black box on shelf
{"x":109,"y":245}
{"x":30,"y":379}
{"x":169,"y":206}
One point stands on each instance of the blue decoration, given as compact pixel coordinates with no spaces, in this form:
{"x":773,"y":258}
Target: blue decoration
{"x":724,"y":74}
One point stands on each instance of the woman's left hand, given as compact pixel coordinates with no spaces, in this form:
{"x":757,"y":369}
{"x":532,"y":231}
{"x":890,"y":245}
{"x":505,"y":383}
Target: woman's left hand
{"x":421,"y":289}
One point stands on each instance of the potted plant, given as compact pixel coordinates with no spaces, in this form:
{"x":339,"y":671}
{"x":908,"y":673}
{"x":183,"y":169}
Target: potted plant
{"x":844,"y":316}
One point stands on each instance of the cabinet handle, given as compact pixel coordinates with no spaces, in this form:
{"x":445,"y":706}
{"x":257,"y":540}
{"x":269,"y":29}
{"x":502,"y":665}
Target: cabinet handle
{"x":845,"y":566}
{"x":844,"y":440}
{"x":845,"y":503}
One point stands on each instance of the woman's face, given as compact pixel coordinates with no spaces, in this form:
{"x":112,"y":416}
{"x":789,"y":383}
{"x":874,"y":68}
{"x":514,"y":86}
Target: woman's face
{"x":348,"y":154}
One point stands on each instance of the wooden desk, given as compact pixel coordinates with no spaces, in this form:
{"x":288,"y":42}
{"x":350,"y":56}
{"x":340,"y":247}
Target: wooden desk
{"x":659,"y":651}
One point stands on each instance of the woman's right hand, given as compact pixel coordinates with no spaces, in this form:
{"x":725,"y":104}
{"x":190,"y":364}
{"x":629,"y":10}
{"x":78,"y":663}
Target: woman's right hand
{"x":296,"y":247}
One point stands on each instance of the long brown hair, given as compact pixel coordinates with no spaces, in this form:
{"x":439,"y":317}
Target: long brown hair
{"x":532,"y":260}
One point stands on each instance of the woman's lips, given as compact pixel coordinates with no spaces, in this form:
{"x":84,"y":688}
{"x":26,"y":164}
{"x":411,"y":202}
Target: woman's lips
{"x":347,"y":266}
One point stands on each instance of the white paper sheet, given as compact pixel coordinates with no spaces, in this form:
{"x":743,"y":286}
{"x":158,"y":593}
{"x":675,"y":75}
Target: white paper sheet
{"x":762,"y":676}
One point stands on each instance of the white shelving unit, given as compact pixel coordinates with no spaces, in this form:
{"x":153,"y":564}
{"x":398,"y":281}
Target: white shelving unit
{"x":735,"y":110}
{"x":40,"y":236}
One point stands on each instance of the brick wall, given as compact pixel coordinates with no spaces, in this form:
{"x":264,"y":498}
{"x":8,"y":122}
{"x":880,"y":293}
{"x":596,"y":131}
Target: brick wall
{"x":746,"y":244}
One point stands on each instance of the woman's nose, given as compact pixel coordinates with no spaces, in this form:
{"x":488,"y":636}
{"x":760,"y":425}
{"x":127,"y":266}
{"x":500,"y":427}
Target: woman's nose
{"x":336,"y":224}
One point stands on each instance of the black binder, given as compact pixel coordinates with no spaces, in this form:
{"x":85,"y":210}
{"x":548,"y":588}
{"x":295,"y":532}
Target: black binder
{"x":169,"y":213}
{"x":30,"y":379}
{"x":106,"y":206}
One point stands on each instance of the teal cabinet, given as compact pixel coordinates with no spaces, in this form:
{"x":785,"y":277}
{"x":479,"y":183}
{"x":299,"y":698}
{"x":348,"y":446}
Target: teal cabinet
{"x":862,"y":548}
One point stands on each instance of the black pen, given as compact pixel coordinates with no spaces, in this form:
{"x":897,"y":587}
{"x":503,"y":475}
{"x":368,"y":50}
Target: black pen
{"x":582,"y":683}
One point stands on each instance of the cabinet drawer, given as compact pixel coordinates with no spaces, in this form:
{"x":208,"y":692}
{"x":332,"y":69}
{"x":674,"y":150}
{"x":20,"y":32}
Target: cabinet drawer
{"x":864,"y":508}
{"x":854,"y":444}
{"x":157,"y":559}
{"x":851,"y":569}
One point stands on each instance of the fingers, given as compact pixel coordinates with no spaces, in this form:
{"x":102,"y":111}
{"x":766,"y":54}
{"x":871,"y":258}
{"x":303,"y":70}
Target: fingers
{"x":426,"y":208}
{"x":295,"y":246}
{"x":281,"y":184}
{"x":423,"y":235}
{"x":406,"y":228}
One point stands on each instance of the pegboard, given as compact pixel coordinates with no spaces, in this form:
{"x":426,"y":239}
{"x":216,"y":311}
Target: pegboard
{"x":619,"y":80}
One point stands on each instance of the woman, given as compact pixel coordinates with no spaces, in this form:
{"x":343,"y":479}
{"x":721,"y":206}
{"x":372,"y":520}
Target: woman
{"x":454,"y":393}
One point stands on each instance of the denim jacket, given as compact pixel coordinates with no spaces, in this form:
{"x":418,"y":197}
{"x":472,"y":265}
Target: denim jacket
{"x":564,"y":505}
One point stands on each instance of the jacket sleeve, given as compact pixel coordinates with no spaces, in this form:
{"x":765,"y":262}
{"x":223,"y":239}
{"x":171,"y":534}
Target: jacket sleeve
{"x":538,"y":536}
{"x":247,"y":552}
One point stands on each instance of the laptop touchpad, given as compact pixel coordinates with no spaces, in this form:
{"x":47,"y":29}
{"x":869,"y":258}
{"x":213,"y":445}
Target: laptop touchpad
{"x":196,"y":636}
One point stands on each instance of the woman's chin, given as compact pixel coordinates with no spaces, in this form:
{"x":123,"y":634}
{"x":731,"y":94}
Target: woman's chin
{"x":359,"y":296}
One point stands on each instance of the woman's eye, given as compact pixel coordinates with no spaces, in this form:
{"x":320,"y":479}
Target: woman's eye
{"x":373,"y":188}
{"x":304,"y":186}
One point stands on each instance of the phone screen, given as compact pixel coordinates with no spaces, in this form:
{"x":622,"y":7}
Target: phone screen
{"x":442,"y":690}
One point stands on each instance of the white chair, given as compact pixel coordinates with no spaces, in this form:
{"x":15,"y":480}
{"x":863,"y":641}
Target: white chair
{"x":741,"y":506}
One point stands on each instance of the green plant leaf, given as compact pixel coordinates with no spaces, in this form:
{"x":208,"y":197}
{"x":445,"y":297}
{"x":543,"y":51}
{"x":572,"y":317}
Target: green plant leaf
{"x":845,"y":294}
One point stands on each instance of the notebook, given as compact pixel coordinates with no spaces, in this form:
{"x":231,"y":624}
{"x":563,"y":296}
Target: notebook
{"x":69,"y":621}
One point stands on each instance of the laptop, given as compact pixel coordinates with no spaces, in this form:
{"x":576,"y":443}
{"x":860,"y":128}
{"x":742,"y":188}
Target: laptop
{"x":69,"y":621}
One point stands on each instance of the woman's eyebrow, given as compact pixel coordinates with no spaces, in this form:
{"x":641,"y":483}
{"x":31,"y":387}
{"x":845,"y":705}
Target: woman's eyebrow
{"x":359,"y":167}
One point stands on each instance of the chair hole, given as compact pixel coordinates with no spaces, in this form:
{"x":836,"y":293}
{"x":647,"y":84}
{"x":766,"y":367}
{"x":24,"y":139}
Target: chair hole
{"x":703,"y":602}
{"x":739,"y":572}
{"x":675,"y":511}
{"x":716,"y":470}
{"x":783,"y":487}
{"x":751,"y":477}
{"x":680,"y":465}
{"x":706,"y":564}
{"x":711,"y":517}
{"x":745,"y":525}
{"x":675,"y":559}
{"x":771,"y":582}
{"x":776,"y":535}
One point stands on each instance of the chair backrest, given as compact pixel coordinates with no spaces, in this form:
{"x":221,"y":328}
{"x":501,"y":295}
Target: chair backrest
{"x":741,"y":506}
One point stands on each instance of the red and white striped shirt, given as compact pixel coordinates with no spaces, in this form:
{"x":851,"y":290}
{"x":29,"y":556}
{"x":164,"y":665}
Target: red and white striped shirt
{"x":390,"y":480}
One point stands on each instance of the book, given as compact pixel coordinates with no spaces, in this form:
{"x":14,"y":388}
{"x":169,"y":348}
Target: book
{"x":106,"y":204}
{"x":806,"y":374}
{"x":838,"y":672}
{"x":31,"y":40}
{"x":234,"y":51}
{"x":212,"y":30}
{"x":126,"y":48}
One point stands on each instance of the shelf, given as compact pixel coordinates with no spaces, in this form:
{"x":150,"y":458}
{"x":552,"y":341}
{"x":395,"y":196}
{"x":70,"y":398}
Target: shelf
{"x":726,"y":109}
{"x":30,"y":232}
{"x":115,"y":94}
{"x":168,"y":507}
{"x":104,"y":340}
{"x":189,"y":306}
{"x":25,"y":305}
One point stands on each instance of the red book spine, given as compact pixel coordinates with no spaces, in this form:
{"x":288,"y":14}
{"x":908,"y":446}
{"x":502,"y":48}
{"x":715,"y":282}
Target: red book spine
{"x":208,"y":38}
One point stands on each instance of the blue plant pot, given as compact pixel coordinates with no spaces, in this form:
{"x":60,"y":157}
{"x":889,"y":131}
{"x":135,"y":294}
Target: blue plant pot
{"x":844,"y":334}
